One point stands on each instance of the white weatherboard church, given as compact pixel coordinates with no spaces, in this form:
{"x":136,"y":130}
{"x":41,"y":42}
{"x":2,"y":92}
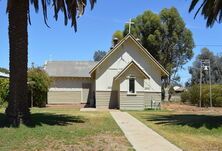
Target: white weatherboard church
{"x":128,"y":77}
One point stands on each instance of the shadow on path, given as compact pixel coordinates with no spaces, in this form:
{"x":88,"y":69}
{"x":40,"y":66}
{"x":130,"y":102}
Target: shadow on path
{"x":38,"y":119}
{"x":192,"y":120}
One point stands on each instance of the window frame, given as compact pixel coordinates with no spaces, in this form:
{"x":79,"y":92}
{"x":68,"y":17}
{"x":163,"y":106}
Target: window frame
{"x":129,"y":79}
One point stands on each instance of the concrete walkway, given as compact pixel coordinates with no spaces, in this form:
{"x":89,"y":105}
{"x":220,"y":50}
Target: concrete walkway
{"x":140,"y":136}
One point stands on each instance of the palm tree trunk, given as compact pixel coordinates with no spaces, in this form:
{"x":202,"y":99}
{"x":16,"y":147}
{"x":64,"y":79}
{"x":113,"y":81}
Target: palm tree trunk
{"x":18,"y":42}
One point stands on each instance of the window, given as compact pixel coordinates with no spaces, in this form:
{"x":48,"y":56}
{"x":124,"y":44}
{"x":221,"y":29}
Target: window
{"x":131,"y":85}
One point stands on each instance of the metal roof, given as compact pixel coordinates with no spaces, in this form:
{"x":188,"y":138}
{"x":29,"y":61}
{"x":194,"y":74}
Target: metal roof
{"x":69,"y":68}
{"x":4,"y":75}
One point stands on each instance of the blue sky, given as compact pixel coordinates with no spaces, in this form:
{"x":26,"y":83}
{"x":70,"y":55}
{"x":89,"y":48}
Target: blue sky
{"x":95,"y":30}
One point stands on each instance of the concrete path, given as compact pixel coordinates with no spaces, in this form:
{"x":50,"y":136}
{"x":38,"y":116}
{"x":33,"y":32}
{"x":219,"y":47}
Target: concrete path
{"x":140,"y":136}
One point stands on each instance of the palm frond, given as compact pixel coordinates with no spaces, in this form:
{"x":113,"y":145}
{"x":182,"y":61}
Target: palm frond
{"x":210,"y":9}
{"x":71,"y":9}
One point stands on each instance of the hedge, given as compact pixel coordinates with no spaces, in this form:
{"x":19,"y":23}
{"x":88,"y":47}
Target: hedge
{"x":192,"y":95}
{"x":4,"y":92}
{"x":39,"y":83}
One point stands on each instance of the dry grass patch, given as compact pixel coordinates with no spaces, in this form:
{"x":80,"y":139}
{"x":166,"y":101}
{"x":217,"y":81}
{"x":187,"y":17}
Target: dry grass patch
{"x":191,"y":132}
{"x":64,"y":129}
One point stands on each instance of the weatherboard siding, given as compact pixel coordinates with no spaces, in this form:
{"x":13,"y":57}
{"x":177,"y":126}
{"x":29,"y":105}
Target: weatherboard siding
{"x":131,"y":102}
{"x":107,"y":99}
{"x":149,"y":96}
{"x":64,"y":97}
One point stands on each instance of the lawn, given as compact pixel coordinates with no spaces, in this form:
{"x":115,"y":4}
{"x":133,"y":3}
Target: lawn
{"x":191,"y":132}
{"x":64,"y":129}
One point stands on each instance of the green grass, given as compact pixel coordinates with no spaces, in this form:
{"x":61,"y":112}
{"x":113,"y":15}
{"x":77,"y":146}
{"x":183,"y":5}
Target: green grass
{"x":191,"y":132}
{"x":64,"y":129}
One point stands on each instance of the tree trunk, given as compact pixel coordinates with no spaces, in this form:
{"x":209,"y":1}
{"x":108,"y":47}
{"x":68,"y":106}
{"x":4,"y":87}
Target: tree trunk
{"x":18,"y":109}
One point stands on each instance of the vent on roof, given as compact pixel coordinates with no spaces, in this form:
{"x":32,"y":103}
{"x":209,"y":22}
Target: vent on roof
{"x":115,"y":42}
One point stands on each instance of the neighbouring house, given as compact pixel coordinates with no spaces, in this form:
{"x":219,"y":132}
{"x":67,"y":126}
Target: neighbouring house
{"x":128,"y":77}
{"x":4,"y":75}
{"x":178,"y":90}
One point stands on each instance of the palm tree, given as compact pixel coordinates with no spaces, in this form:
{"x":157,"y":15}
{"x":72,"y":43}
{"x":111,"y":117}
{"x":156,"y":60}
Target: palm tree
{"x":211,"y":10}
{"x":18,"y":16}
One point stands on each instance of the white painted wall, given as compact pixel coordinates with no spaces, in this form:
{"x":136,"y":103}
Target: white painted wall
{"x":119,"y":59}
{"x":139,"y":80}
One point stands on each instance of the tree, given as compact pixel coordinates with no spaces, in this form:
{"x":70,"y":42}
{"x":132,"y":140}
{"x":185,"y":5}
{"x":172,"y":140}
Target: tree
{"x":117,"y":34}
{"x":216,"y":68}
{"x":39,"y":83}
{"x":4,"y":70}
{"x":166,"y":37}
{"x":211,"y":10}
{"x":18,"y":17}
{"x":4,"y":91}
{"x":98,"y":55}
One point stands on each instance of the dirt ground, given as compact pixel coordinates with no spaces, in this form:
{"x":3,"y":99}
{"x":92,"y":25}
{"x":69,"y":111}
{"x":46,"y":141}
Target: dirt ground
{"x":103,"y":142}
{"x":180,"y":107}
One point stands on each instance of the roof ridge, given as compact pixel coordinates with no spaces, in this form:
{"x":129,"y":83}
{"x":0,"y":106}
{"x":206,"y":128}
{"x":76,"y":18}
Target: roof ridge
{"x":71,"y":61}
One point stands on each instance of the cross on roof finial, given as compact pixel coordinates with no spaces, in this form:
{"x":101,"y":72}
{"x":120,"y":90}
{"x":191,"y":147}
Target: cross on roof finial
{"x":130,"y":24}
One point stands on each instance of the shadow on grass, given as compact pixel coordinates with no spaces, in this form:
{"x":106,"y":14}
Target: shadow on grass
{"x":191,"y":120}
{"x":40,"y":119}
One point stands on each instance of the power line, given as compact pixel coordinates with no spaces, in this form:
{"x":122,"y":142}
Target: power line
{"x":208,"y":45}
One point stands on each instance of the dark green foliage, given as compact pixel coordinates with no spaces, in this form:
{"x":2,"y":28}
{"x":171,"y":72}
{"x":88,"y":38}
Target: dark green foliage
{"x":193,"y":95}
{"x":185,"y":97}
{"x":4,"y":70}
{"x":39,"y":83}
{"x":166,"y":37}
{"x":216,"y":68}
{"x":98,"y":55}
{"x":4,"y":91}
{"x":210,"y":9}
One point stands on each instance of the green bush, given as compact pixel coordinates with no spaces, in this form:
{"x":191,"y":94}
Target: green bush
{"x":185,"y":97}
{"x":192,"y":95}
{"x":4,"y":91}
{"x":39,"y":82}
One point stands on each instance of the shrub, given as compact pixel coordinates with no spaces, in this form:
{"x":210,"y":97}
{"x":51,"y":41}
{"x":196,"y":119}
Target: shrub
{"x":4,"y":91}
{"x":39,"y":83}
{"x":185,"y":97}
{"x":193,"y":95}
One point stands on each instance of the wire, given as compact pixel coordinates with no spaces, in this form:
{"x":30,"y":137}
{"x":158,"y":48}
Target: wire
{"x":208,"y":45}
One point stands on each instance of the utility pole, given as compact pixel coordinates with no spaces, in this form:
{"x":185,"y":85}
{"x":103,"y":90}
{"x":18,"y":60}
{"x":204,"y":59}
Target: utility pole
{"x":211,"y":103}
{"x":205,"y":65}
{"x":200,"y":82}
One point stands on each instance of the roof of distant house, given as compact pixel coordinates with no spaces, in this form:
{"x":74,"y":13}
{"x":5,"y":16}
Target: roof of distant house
{"x":69,"y":68}
{"x":178,"y":89}
{"x":4,"y":75}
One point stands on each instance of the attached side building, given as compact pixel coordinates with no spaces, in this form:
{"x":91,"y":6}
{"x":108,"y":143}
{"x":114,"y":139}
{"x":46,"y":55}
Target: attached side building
{"x":128,"y":77}
{"x":72,"y":83}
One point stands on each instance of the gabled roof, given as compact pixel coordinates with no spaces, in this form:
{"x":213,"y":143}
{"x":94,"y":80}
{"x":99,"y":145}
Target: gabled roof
{"x":129,"y":36}
{"x":4,"y":75}
{"x":69,"y":68}
{"x":132,"y":63}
